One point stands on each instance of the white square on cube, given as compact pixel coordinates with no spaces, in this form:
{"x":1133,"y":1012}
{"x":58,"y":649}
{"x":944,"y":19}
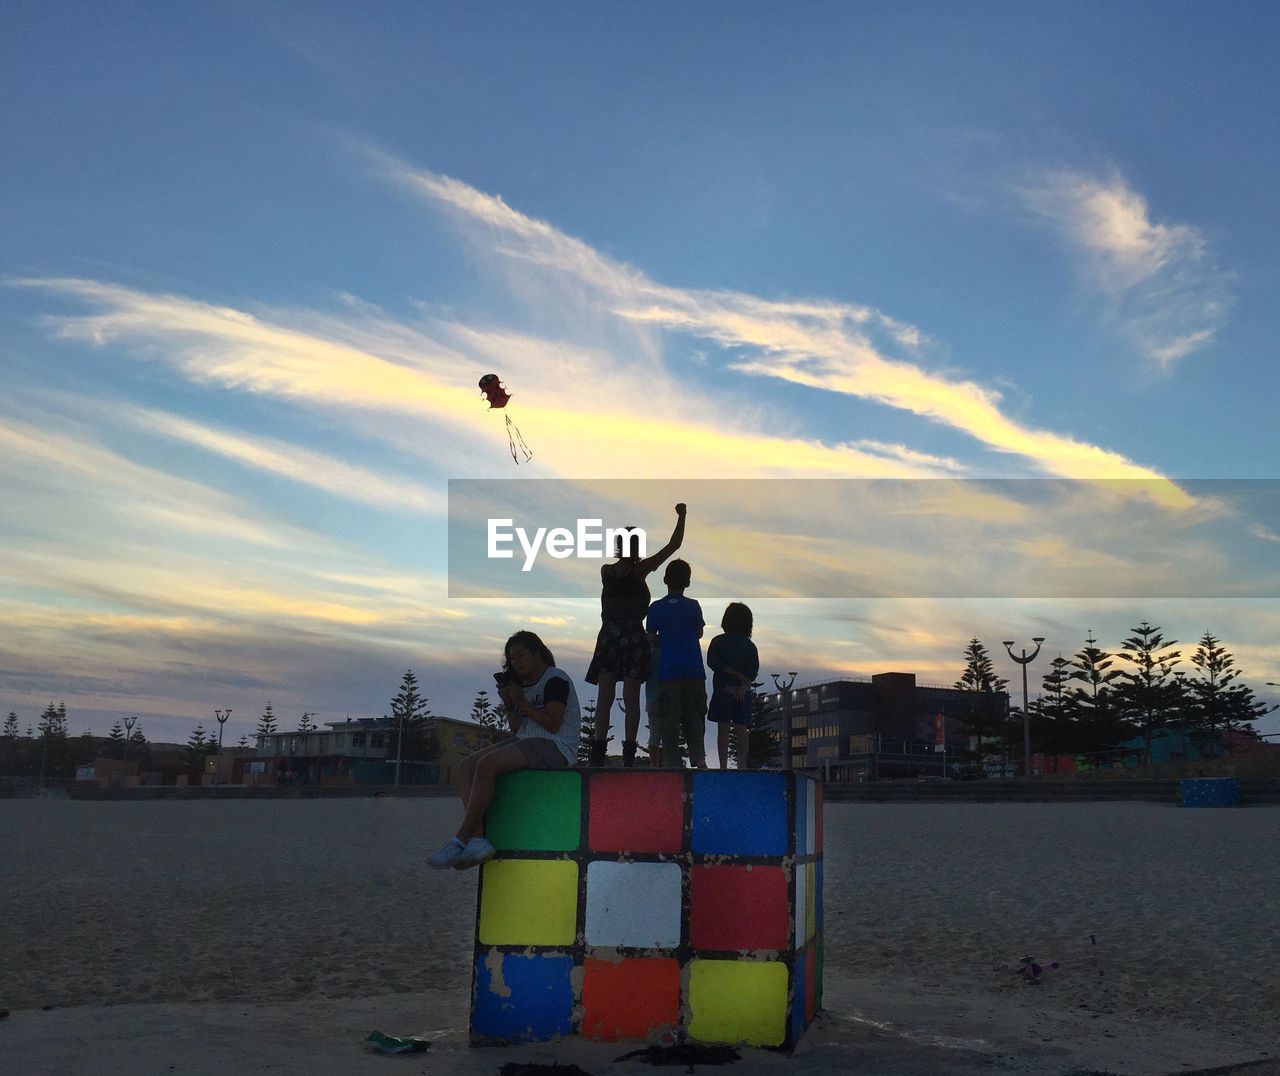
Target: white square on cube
{"x":633,"y":904}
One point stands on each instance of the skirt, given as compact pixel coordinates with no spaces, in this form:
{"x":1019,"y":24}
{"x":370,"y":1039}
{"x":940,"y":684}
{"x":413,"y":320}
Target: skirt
{"x":622,"y":648}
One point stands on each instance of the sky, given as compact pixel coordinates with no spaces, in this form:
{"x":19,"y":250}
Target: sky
{"x":254,"y":259}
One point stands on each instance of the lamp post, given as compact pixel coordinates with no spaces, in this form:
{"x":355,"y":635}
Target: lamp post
{"x":129,"y":722}
{"x":785,"y":691}
{"x":222,"y":716}
{"x":1024,"y":661}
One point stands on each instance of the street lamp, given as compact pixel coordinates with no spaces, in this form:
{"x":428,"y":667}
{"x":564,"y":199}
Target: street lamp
{"x":129,"y":722}
{"x":222,"y":716}
{"x":785,"y":691}
{"x":1024,"y":661}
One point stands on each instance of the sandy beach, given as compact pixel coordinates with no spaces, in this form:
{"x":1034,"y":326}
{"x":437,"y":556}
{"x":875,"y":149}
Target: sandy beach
{"x":200,"y":936}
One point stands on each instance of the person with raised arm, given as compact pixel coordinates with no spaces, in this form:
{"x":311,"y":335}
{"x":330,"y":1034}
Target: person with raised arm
{"x":622,"y":646}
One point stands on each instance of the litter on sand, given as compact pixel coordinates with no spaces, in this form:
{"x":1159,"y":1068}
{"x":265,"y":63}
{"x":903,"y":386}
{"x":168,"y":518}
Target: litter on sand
{"x":394,"y":1044}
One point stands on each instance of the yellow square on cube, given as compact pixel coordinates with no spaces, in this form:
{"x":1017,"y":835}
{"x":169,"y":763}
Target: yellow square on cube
{"x":810,"y":899}
{"x":736,"y":1001}
{"x":529,"y":902}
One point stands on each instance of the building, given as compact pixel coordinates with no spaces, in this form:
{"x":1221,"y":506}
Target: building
{"x":363,"y":751}
{"x":109,"y":773}
{"x":888,"y":726}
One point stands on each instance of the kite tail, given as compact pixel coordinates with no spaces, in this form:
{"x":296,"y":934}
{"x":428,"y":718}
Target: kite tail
{"x":516,"y":442}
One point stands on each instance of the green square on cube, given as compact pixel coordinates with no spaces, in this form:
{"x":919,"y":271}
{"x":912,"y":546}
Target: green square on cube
{"x":536,"y":811}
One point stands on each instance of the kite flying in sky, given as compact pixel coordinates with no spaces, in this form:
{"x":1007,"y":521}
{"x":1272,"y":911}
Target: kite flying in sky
{"x":497,"y":395}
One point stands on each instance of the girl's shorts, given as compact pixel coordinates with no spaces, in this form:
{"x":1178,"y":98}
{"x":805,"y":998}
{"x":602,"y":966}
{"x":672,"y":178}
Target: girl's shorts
{"x":727,"y":710}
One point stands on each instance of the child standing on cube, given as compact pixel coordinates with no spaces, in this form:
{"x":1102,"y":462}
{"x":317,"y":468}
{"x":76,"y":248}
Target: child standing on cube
{"x":675,"y":625}
{"x":734,"y":664}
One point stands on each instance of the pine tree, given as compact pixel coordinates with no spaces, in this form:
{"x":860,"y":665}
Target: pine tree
{"x":267,"y":726}
{"x":1058,"y":733}
{"x":1101,"y":728}
{"x":87,"y":748}
{"x":139,"y":747}
{"x":1220,"y":704}
{"x":115,"y":742}
{"x":1147,"y":694}
{"x":306,"y":725}
{"x":586,"y":734}
{"x":197,"y":746}
{"x":485,"y":714}
{"x":54,"y":753}
{"x":243,"y":742}
{"x":410,"y":715}
{"x":984,"y":713}
{"x":9,"y":750}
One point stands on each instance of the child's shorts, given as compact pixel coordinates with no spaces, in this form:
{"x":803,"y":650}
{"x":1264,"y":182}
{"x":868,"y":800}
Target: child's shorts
{"x":727,"y":710}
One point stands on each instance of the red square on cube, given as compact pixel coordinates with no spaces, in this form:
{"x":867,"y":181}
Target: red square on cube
{"x":629,"y":999}
{"x":738,"y":908}
{"x":636,"y":812}
{"x":810,"y":981}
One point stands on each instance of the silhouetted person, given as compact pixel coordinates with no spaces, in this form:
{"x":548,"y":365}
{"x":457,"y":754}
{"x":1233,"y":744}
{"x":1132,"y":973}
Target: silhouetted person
{"x":622,"y":647}
{"x":734,"y":663}
{"x":542,"y":710}
{"x":675,"y":624}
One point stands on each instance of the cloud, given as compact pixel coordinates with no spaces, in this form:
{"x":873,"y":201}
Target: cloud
{"x":368,"y":367}
{"x":310,"y":468}
{"x":835,"y":347}
{"x":902,"y":452}
{"x":1170,"y":299}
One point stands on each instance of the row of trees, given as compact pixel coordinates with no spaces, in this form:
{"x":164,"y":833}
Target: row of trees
{"x":47,"y":751}
{"x":1097,"y":700}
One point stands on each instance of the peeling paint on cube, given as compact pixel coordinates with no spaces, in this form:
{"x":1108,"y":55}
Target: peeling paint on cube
{"x":664,"y":906}
{"x":536,"y":1001}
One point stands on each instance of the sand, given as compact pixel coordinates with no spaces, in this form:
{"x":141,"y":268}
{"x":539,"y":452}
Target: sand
{"x":204,"y":934}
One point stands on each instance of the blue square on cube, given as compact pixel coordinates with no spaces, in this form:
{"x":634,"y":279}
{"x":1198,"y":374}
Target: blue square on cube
{"x":740,"y":814}
{"x":797,"y":997}
{"x":802,"y":813}
{"x":531,"y":1000}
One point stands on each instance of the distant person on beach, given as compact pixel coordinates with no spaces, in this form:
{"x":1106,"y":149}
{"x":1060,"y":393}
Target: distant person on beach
{"x":675,"y":625}
{"x":541,"y":707}
{"x":622,"y":647}
{"x":734,"y":664}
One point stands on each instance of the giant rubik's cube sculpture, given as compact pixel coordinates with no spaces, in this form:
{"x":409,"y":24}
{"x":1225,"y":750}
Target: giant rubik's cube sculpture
{"x":660,"y":905}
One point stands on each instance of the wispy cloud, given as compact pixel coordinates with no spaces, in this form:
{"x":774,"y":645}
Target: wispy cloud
{"x":635,"y":420}
{"x":1170,"y":298}
{"x":836,"y":347}
{"x":302,"y":465}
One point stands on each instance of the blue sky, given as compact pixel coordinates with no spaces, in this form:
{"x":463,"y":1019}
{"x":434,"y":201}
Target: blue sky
{"x":256,"y":256}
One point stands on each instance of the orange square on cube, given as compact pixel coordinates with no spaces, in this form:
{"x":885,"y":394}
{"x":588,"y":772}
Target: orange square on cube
{"x":630,"y":998}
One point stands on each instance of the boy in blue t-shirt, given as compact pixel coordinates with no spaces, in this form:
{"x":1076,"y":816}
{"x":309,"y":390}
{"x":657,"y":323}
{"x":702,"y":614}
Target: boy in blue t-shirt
{"x":675,"y":625}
